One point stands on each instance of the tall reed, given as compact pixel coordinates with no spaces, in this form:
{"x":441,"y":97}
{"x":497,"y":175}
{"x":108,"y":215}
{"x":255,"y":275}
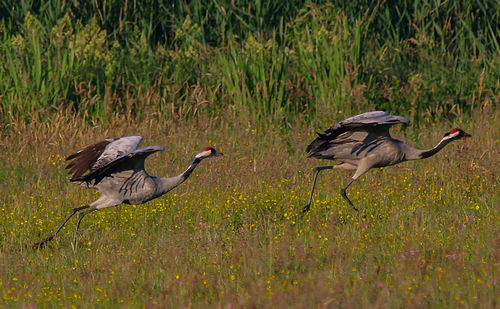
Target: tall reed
{"x":268,"y":60}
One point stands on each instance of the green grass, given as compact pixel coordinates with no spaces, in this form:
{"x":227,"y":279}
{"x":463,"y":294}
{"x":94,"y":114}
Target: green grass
{"x":255,"y":81}
{"x":428,"y":59}
{"x":426,"y":235}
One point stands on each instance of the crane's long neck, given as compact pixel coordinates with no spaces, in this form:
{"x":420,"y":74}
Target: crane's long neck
{"x":422,"y":154}
{"x":190,"y":169}
{"x":167,"y":184}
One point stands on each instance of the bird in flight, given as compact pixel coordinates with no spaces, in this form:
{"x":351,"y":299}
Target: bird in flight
{"x":116,"y":169}
{"x":363,"y":142}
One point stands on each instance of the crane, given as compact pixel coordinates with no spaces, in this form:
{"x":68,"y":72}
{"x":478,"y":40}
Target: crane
{"x":363,"y":142}
{"x":116,"y":169}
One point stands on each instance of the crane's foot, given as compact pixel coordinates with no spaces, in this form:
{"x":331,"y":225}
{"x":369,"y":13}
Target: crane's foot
{"x":344,"y":195}
{"x":306,"y":208}
{"x":42,"y":244}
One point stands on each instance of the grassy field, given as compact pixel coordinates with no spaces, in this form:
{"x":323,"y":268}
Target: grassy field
{"x":427,"y":233}
{"x":255,"y":80}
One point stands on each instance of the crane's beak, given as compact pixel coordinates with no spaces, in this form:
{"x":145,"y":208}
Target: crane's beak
{"x":218,"y":154}
{"x":466,"y":135}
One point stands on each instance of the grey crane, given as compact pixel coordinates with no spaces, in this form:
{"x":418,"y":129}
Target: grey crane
{"x":363,"y":142}
{"x":116,"y":169}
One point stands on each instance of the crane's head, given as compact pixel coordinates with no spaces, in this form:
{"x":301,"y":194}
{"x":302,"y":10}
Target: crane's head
{"x":207,"y":153}
{"x":456,"y":134}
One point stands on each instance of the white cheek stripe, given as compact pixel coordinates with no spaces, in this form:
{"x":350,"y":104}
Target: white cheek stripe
{"x":204,"y":154}
{"x":451,"y":135}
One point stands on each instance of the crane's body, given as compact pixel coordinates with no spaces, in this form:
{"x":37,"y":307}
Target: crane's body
{"x":116,"y":169}
{"x":363,"y":142}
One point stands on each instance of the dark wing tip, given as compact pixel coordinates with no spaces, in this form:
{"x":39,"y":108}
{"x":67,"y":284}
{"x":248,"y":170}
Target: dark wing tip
{"x":308,"y":149}
{"x":72,"y":156}
{"x":317,"y":144}
{"x":77,"y":178}
{"x":84,"y":159}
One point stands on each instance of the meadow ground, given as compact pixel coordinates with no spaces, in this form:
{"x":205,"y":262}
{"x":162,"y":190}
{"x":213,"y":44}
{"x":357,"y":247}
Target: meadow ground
{"x":427,"y":233}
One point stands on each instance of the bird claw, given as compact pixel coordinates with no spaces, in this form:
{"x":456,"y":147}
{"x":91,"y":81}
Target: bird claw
{"x":306,"y":209}
{"x":344,"y":195}
{"x":40,"y":245}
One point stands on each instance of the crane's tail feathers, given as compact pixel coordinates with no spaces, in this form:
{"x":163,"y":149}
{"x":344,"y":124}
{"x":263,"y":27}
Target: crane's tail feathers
{"x":318,"y":145}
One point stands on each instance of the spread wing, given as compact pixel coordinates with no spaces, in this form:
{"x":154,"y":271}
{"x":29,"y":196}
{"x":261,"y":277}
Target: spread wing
{"x":367,"y":121}
{"x":98,"y":156}
{"x":377,"y":122}
{"x":130,"y":161}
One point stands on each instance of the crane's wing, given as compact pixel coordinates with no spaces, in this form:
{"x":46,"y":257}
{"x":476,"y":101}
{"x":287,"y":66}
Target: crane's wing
{"x":130,"y":161}
{"x":370,"y":119}
{"x":377,"y":122}
{"x":97,"y":156}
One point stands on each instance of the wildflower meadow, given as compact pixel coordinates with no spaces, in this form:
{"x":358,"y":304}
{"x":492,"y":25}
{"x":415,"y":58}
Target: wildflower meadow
{"x":256,"y":81}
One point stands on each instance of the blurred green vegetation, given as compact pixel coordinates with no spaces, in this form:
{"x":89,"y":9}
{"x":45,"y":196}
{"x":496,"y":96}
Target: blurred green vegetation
{"x":263,"y":59}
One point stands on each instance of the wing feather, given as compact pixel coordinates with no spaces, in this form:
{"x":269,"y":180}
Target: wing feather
{"x":84,"y":159}
{"x":129,"y":161}
{"x":370,"y":119}
{"x":377,"y":122}
{"x":116,"y":149}
{"x":100,"y":154}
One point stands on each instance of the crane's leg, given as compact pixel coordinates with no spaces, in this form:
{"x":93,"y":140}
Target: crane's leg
{"x":363,"y":167}
{"x":80,"y":217}
{"x":316,"y":172}
{"x":344,"y":194}
{"x":43,"y":243}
